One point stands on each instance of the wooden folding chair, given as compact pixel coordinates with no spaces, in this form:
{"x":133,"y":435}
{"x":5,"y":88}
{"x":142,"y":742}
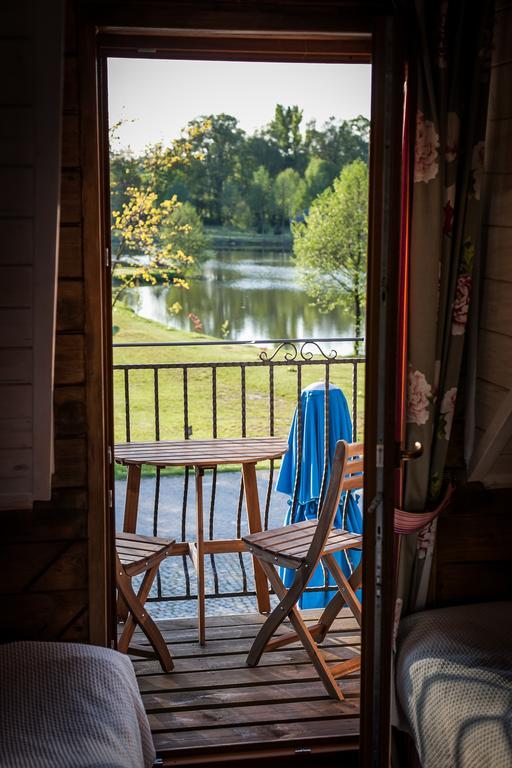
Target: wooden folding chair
{"x":302,"y":546}
{"x":135,"y":555}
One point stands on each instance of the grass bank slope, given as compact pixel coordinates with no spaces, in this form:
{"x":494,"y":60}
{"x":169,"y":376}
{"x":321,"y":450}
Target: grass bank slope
{"x":170,"y":400}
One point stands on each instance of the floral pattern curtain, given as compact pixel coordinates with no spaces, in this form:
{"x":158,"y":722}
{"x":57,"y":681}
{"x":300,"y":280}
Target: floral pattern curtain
{"x":451,"y":74}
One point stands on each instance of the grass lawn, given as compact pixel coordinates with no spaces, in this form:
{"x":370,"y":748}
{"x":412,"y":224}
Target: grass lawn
{"x":229,"y":400}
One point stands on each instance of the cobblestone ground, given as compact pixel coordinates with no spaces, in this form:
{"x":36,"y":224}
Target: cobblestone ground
{"x":225,"y":570}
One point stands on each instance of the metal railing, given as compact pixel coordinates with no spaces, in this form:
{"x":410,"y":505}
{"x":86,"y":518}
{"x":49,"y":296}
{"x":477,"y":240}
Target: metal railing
{"x":178,"y":387}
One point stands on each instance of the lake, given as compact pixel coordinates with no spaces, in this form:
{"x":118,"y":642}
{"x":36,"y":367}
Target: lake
{"x":243,"y":294}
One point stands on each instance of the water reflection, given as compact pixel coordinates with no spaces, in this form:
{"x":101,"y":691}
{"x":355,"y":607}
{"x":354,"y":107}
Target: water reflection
{"x":254,"y":294}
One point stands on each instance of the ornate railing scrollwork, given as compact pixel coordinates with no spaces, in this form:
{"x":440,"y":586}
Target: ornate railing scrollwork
{"x":298,"y":353}
{"x":289,"y":356}
{"x":331,"y":355}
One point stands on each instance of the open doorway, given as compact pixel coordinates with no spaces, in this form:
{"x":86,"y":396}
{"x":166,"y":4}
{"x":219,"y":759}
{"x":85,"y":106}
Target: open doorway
{"x":372,"y":41}
{"x":239,"y":214}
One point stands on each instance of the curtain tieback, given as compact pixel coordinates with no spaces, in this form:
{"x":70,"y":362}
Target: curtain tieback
{"x":412,"y":522}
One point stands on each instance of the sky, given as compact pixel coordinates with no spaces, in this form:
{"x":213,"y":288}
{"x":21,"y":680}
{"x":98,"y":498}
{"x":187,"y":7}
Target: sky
{"x":161,"y":96}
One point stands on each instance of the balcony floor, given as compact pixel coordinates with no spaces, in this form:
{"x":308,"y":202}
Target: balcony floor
{"x":213,"y":708}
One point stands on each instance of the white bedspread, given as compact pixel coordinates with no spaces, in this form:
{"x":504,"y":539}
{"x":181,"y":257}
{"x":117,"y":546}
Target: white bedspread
{"x":64,"y":705}
{"x":454,"y":685}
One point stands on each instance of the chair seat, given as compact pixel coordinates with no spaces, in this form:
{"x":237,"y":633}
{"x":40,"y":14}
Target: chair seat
{"x":289,"y":545}
{"x":138,"y":553}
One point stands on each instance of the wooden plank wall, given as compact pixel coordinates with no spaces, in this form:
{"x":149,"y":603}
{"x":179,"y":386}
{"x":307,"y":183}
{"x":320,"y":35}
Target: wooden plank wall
{"x":494,"y":369}
{"x":30,"y":132}
{"x":473,"y":557}
{"x":17,"y":161}
{"x":44,"y":585}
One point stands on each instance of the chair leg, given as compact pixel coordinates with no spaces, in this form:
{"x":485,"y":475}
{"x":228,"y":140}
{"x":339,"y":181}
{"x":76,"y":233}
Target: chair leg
{"x":279,"y":614}
{"x":335,"y":605}
{"x":303,"y":632}
{"x":346,"y":586}
{"x":142,"y":594}
{"x":144,"y":620}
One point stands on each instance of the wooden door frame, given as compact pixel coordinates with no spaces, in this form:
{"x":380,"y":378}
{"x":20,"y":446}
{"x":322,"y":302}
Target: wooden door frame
{"x":316,"y":36}
{"x":98,"y":336}
{"x":381,"y":400}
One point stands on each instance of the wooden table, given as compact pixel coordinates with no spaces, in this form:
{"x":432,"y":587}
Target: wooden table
{"x":204,"y":454}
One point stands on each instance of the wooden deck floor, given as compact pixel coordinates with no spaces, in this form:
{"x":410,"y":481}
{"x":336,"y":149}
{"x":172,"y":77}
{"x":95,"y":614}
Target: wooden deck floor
{"x":213,"y":705}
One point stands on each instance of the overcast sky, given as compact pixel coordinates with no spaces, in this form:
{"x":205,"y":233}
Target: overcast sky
{"x":162,"y":96}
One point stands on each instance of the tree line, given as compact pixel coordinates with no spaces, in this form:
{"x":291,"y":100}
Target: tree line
{"x":225,"y":177}
{"x":313,"y":184}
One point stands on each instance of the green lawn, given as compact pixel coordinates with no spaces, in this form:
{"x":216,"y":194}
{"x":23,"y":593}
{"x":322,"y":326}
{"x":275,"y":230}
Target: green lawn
{"x":229,"y":408}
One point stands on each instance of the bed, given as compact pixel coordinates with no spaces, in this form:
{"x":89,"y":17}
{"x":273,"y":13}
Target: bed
{"x":66,"y":704}
{"x":454,"y":685}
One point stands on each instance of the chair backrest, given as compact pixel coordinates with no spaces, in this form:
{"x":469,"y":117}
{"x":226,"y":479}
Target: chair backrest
{"x":347,"y":474}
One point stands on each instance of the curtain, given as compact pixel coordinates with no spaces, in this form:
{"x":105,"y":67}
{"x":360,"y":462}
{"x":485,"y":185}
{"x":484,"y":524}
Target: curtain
{"x":450,"y":68}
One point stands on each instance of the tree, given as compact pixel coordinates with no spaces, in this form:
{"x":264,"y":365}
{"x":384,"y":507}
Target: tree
{"x":289,"y":193}
{"x":284,"y":133}
{"x":185,"y":228}
{"x":220,"y":149}
{"x":146,"y":230}
{"x":318,"y":175}
{"x":330,"y":245}
{"x":340,"y":142}
{"x":259,"y":151}
{"x":260,"y":198}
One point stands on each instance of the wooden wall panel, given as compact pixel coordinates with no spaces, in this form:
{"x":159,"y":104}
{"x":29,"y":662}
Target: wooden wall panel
{"x":69,"y":359}
{"x":473,"y":560}
{"x":500,"y":96}
{"x":498,"y":251}
{"x":70,"y":306}
{"x":70,"y":463}
{"x":17,"y":239}
{"x":70,"y":412}
{"x":70,"y":254}
{"x":500,"y":202}
{"x":46,"y":568}
{"x":56,"y":615}
{"x":16,"y":66}
{"x":71,"y":198}
{"x":71,"y":141}
{"x":17,"y":135}
{"x":489,"y":397}
{"x":490,"y":462}
{"x":16,"y":327}
{"x":497,"y":309}
{"x":19,"y":280}
{"x":16,"y":192}
{"x":16,"y":366}
{"x":16,"y":432}
{"x":44,"y":550}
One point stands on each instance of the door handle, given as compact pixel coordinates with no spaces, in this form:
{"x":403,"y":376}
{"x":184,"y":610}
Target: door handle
{"x":413,"y":453}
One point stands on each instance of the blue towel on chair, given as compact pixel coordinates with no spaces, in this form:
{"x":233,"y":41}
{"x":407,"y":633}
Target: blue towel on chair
{"x":312,"y":467}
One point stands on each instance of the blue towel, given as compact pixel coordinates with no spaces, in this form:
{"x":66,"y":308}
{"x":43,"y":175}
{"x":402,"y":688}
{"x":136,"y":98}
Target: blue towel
{"x":312,"y":467}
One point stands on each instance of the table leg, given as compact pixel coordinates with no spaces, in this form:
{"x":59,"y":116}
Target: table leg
{"x":131,"y":508}
{"x":131,"y":505}
{"x":254,"y":518}
{"x":200,"y":556}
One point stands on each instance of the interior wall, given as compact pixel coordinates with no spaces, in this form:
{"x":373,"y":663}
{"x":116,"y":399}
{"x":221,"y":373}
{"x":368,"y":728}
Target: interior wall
{"x":44,"y":549}
{"x":473,"y":557}
{"x":494,"y":371}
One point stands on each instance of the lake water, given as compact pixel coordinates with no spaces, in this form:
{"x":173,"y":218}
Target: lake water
{"x":255,"y":294}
